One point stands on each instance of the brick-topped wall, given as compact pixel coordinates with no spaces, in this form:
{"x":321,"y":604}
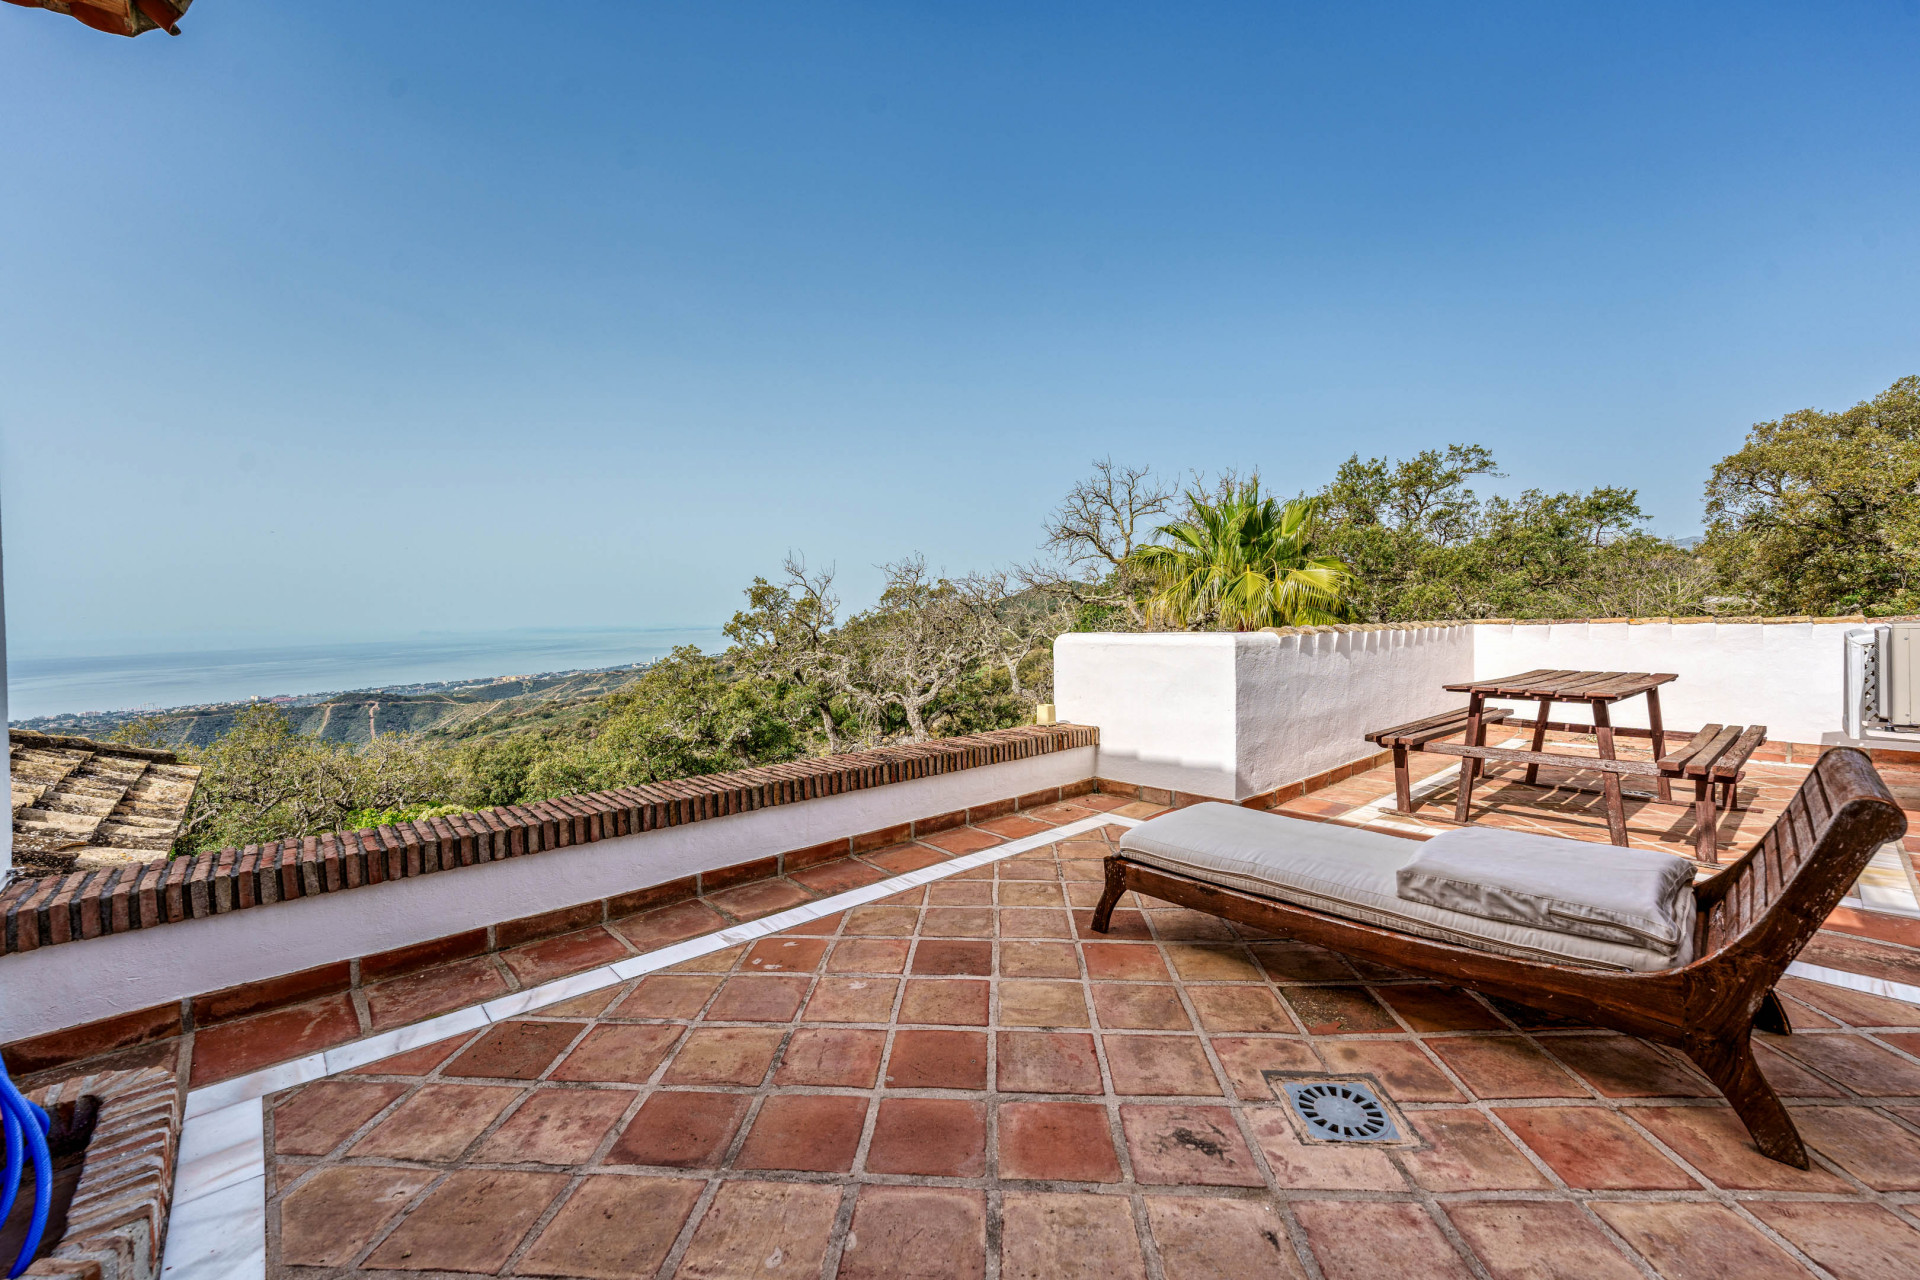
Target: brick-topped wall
{"x":57,"y":909}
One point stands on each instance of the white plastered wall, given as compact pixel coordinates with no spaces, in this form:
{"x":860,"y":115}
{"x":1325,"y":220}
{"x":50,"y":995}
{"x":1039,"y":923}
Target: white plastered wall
{"x":80,"y":982}
{"x":1233,"y":715}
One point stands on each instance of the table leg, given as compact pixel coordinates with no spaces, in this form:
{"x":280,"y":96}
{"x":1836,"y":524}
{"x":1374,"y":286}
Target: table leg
{"x":1402,"y":780}
{"x":1664,"y":787}
{"x":1469,"y":766}
{"x":1539,"y":738}
{"x":1706,"y":845}
{"x":1610,"y":782}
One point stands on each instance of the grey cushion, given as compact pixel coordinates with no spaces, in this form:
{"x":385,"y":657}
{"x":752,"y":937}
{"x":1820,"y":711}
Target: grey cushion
{"x":1352,"y":873}
{"x":1635,"y":897}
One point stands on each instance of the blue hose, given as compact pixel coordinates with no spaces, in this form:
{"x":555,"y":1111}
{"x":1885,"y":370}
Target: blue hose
{"x":26,"y":1134}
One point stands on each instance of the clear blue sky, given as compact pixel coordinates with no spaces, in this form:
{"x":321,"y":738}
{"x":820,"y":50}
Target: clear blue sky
{"x":355,"y":319}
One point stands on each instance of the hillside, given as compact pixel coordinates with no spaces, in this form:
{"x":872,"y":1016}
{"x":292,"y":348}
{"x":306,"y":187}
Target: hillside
{"x":450,"y":709}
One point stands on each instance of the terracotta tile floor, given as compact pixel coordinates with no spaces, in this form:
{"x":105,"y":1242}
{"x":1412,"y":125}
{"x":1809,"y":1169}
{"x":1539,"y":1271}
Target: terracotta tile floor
{"x":962,"y":1081}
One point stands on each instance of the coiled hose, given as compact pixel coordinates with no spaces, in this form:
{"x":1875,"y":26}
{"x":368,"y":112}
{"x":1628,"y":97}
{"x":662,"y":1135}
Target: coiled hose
{"x":26,"y":1128}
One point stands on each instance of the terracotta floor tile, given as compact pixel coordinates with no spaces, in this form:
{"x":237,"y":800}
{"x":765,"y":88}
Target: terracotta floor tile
{"x":1140,"y":809}
{"x":327,"y":1222}
{"x":650,"y":1212}
{"x":1047,"y":1062}
{"x":1339,"y":1011}
{"x":1467,"y":1152}
{"x":1505,"y":1067}
{"x":1039,"y":960}
{"x":1032,"y":893}
{"x":326,"y":1113}
{"x":852,"y":1000}
{"x":1305,"y":1166}
{"x":515,"y":1050}
{"x":1245,"y":1058}
{"x":957,"y":922}
{"x":1623,"y":1067}
{"x":1060,"y":1236}
{"x":724,"y":1055}
{"x":1593,"y":1149}
{"x":781,"y":954}
{"x":1407,"y":1074}
{"x":589,"y":1004}
{"x":1427,"y":1007}
{"x":1198,"y":963}
{"x":757,"y":999}
{"x":1520,"y":1241}
{"x":431,"y":991}
{"x":892,"y":922}
{"x":1013,"y":827}
{"x":652,"y":930}
{"x":1100,"y":802}
{"x":958,"y":1002}
{"x":1174,"y":1145}
{"x":619,"y":1053}
{"x":1056,"y":1142}
{"x":1788,"y":1078}
{"x":437,"y":1123}
{"x":1221,"y":1238}
{"x":680,"y":1129}
{"x":416,"y":1062}
{"x":1160,"y":1065}
{"x":1854,"y":1061}
{"x":1301,"y":962}
{"x":1855,"y":1008}
{"x":832,"y":1057}
{"x":956,"y":892}
{"x":1713,"y":1140}
{"x":551,"y":958}
{"x":950,"y":958}
{"x":1698,"y":1241}
{"x":937,"y":1060}
{"x":1364,"y":1241}
{"x":869,"y":955}
{"x":816,"y":1133}
{"x":960,"y":840}
{"x":231,"y":1049}
{"x":1027,"y":1003}
{"x":750,"y":1222}
{"x":1853,"y":1240}
{"x":1125,"y":962}
{"x":759,"y":898}
{"x":939,"y":1233}
{"x":470,"y":1222}
{"x":721,"y":961}
{"x":901,"y":858}
{"x":1177,"y":924}
{"x":556,"y":1126}
{"x":1133,"y":1007}
{"x":669,"y":996}
{"x":1866,"y":1144}
{"x":1034,"y":922}
{"x":1127,"y":925}
{"x":839,"y":877}
{"x":819,"y":927}
{"x":1242,"y":1008}
{"x":934,"y":1137}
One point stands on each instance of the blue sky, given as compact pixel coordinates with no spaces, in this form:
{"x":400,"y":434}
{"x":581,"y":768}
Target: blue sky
{"x":354,"y":320}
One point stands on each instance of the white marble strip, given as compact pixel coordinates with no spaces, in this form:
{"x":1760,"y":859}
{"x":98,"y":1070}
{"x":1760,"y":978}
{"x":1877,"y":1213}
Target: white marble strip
{"x":218,"y":1226}
{"x":1855,"y":982}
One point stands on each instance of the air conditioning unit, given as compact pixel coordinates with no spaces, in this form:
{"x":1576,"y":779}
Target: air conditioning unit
{"x":1883,"y":681}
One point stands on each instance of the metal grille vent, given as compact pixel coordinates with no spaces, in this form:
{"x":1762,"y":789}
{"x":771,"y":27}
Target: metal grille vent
{"x":1341,"y":1111}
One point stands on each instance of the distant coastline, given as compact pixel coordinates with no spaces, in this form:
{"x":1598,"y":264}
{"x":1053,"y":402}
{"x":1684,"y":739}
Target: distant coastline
{"x":44,"y":692}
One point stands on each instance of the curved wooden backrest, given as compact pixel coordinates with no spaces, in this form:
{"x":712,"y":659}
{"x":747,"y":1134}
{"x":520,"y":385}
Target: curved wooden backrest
{"x":1773,"y":899}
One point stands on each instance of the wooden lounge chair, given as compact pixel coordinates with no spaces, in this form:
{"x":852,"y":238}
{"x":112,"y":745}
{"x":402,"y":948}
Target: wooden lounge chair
{"x":1751,"y":920}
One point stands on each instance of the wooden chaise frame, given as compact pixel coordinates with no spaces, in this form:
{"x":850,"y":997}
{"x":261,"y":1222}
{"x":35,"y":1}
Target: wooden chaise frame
{"x":1754,"y":917}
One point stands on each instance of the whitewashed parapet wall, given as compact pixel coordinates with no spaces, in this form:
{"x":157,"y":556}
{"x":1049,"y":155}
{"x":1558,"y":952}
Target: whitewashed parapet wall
{"x":1237,"y":714}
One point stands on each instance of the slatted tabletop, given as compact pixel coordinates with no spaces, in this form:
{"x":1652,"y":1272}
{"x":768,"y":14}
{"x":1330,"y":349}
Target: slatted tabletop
{"x":1568,"y":686}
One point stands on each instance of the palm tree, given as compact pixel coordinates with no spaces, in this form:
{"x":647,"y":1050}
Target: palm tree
{"x":1243,"y":561}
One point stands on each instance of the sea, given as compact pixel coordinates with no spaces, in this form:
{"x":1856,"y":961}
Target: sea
{"x":42,"y":685}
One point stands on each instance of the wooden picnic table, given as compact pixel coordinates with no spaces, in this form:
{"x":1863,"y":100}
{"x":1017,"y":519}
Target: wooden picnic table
{"x":1711,"y":758}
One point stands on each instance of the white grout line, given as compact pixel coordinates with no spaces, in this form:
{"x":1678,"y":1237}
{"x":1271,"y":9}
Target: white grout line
{"x":218,"y":1226}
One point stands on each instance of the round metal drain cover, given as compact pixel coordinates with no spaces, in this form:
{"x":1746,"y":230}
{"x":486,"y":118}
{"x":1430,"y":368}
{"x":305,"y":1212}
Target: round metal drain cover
{"x":1341,"y":1111}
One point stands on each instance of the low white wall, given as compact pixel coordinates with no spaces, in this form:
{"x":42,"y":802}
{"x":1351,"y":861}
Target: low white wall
{"x":1236,"y":714}
{"x":79,"y":982}
{"x":1789,"y":676}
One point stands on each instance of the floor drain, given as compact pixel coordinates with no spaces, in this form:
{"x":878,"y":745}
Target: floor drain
{"x":1341,"y":1111}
